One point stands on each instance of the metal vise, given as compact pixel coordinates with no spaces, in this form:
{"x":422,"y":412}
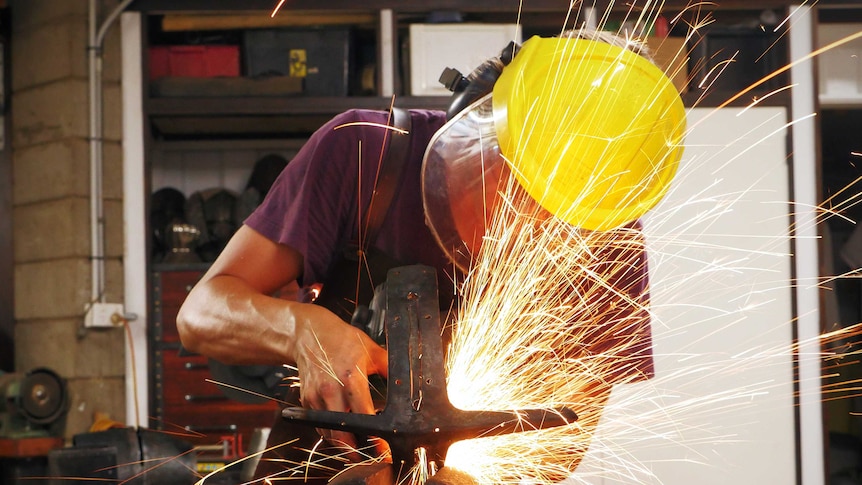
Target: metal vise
{"x":418,"y":413}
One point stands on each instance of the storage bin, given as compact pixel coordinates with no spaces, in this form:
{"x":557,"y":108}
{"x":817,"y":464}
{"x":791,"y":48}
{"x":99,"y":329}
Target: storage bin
{"x":194,"y":61}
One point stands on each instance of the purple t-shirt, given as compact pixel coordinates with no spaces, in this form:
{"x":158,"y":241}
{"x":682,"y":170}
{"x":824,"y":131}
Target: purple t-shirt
{"x":314,"y":205}
{"x":317,"y":203}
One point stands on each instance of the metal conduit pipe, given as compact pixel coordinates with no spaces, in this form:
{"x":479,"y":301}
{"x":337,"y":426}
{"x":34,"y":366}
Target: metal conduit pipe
{"x":97,"y":219}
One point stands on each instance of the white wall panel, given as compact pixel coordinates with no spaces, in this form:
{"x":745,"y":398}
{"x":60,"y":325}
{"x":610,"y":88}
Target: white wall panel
{"x":721,"y":407}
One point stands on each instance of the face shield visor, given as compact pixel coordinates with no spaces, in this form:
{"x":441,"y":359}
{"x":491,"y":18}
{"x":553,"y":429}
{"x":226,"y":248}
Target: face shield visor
{"x":591,"y":131}
{"x":461,"y":174}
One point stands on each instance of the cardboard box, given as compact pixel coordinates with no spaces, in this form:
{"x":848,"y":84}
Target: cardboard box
{"x":194,"y":61}
{"x":671,"y":55}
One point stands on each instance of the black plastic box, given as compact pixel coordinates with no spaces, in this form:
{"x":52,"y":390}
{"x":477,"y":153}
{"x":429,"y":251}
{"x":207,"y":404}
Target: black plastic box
{"x":755,"y":53}
{"x":321,"y":57}
{"x":85,"y":466}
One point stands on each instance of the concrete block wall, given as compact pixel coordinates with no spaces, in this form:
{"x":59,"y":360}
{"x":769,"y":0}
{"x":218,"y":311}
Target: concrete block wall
{"x":51,"y":209}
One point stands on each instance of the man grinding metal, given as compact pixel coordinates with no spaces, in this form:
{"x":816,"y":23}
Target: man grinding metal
{"x":334,"y":216}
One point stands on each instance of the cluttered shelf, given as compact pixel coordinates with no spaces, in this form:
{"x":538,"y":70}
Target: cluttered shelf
{"x":246,"y":78}
{"x":262,"y":97}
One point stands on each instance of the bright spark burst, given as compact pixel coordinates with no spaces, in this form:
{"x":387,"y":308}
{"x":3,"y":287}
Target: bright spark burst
{"x":541,"y":297}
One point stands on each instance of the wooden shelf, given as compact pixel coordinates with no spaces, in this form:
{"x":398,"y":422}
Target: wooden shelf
{"x":296,"y":116}
{"x":279,"y":117}
{"x":284,"y":105}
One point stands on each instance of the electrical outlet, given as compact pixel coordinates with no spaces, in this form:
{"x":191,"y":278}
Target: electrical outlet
{"x":103,"y":315}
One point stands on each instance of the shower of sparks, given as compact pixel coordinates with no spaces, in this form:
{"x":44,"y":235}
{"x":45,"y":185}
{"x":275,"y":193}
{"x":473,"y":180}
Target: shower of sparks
{"x":552,"y":316}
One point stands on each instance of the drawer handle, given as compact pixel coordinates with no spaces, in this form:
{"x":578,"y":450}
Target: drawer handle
{"x":204,"y":398}
{"x":209,"y":429}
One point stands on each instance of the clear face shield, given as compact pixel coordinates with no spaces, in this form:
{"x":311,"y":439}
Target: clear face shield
{"x":591,"y":132}
{"x":461,"y":174}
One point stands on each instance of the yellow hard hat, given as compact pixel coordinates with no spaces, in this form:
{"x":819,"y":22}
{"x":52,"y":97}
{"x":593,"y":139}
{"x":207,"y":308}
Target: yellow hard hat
{"x":592,"y":131}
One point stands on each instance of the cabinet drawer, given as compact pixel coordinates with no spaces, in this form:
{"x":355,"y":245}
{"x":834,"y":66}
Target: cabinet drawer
{"x":170,"y":289}
{"x":184,"y":379}
{"x":221,"y":418}
{"x":186,"y":400}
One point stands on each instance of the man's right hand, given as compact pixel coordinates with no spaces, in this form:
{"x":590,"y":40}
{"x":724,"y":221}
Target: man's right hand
{"x":334,"y":361}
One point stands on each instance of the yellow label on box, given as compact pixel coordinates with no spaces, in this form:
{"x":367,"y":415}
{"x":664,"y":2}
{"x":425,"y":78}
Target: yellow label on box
{"x":208,"y":467}
{"x":298,"y":63}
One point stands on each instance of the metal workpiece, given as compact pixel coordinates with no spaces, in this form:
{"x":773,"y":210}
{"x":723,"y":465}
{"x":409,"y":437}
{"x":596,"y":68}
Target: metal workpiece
{"x":418,"y":413}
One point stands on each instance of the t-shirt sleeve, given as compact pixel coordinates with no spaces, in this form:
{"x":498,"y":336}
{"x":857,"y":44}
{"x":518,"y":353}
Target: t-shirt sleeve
{"x":617,"y":300}
{"x":312,"y":206}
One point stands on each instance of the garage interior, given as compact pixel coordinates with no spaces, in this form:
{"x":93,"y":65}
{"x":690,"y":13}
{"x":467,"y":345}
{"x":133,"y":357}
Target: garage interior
{"x":211,"y":95}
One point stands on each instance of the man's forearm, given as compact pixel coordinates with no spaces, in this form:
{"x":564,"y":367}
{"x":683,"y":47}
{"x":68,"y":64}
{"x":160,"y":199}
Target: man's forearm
{"x":225,"y":319}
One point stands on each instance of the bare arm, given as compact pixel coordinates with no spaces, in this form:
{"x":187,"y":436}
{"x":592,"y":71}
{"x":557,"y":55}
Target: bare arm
{"x":230,"y":317}
{"x":229,"y":314}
